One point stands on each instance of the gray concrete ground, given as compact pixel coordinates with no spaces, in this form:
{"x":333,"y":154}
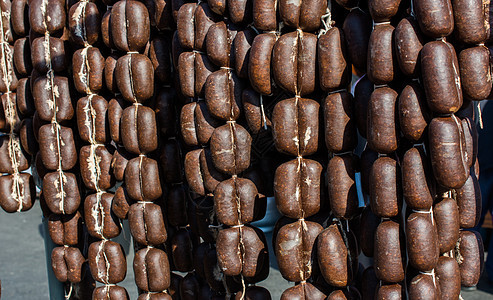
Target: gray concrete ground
{"x":23,"y":265}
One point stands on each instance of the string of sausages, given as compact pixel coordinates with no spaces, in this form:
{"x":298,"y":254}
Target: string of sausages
{"x":181,"y":239}
{"x":297,"y":183}
{"x":337,"y":249}
{"x":457,"y":135}
{"x":129,"y":26}
{"x":241,"y":248}
{"x":196,"y":125}
{"x":57,"y":156}
{"x":106,"y":258}
{"x":382,"y":137}
{"x":16,"y":187}
{"x":476,"y":84}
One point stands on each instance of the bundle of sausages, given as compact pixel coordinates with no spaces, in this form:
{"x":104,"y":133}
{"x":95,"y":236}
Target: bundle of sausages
{"x":432,"y":168}
{"x":184,"y":117}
